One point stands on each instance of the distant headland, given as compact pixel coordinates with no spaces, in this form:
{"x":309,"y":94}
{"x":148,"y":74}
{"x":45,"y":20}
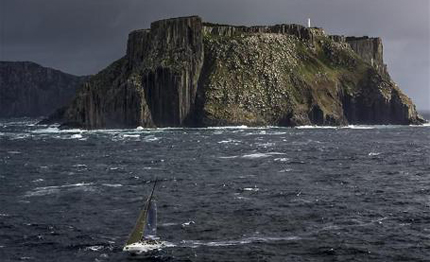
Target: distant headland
{"x":31,"y":90}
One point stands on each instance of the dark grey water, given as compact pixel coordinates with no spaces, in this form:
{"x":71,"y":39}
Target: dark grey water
{"x":228,"y":194}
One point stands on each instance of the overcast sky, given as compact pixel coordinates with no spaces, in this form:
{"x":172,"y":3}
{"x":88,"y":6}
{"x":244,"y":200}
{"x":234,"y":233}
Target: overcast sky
{"x":83,"y":36}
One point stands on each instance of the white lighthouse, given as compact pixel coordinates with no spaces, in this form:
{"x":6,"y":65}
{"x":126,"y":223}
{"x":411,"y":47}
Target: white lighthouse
{"x":309,"y":23}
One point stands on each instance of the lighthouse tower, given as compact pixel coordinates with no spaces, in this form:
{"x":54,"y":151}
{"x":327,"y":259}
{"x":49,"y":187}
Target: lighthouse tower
{"x":309,"y":23}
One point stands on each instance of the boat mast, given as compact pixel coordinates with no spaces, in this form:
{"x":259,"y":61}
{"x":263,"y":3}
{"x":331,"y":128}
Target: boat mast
{"x":137,"y":233}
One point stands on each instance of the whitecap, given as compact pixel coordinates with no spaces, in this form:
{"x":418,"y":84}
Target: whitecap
{"x":112,"y":185}
{"x":228,"y":157}
{"x":42,"y":192}
{"x":169,"y":224}
{"x":229,"y":141}
{"x":38,"y":180}
{"x":243,"y":241}
{"x":20,"y":136}
{"x":283,"y":159}
{"x":14,"y":152}
{"x":255,"y":189}
{"x":186,"y":224}
{"x":94,"y":248}
{"x":256,"y":155}
{"x":359,"y":127}
{"x":48,"y":190}
{"x":131,"y":136}
{"x":261,"y":155}
{"x":226,"y":127}
{"x":277,"y":133}
{"x":76,"y":136}
{"x":285,"y":170}
{"x":374,"y":154}
{"x":246,"y":176}
{"x":272,"y":239}
{"x":316,"y":127}
{"x":339,"y":127}
{"x":242,"y":198}
{"x":150,"y":138}
{"x":51,"y":130}
{"x":265,"y":144}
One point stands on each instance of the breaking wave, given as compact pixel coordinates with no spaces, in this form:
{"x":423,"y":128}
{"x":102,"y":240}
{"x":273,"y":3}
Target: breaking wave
{"x":48,"y":190}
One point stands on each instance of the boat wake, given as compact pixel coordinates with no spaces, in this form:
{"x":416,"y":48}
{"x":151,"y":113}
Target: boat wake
{"x":225,"y":243}
{"x":140,"y":248}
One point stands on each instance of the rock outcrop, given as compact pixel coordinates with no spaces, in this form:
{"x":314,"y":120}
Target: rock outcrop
{"x":28,"y":89}
{"x":183,"y":72}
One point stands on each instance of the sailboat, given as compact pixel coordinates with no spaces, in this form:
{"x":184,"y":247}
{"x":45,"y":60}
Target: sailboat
{"x":144,"y":238}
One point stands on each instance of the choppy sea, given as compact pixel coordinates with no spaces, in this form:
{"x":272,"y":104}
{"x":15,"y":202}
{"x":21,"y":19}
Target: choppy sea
{"x":356,"y":193}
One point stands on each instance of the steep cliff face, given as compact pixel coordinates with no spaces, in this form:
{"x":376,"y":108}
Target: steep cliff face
{"x":28,"y":89}
{"x":155,"y":84}
{"x":370,"y":50}
{"x":182,"y":72}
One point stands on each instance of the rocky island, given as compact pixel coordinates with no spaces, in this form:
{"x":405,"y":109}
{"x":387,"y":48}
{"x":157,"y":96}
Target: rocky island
{"x":30,"y":90}
{"x":185,"y":72}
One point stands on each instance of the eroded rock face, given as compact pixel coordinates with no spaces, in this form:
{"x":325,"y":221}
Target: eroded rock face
{"x":155,"y":84}
{"x":370,"y":50}
{"x":28,"y":89}
{"x":182,"y":72}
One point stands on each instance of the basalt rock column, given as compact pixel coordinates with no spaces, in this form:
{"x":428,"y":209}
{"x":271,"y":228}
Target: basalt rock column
{"x":171,"y":70}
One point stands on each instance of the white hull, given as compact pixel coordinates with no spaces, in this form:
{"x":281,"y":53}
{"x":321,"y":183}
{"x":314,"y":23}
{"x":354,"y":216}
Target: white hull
{"x":143,"y":246}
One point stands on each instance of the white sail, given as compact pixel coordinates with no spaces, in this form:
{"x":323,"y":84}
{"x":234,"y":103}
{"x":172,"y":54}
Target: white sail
{"x":146,"y":224}
{"x":150,"y":231}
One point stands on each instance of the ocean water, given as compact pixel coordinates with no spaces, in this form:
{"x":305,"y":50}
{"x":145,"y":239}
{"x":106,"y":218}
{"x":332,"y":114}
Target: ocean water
{"x":359,"y":193}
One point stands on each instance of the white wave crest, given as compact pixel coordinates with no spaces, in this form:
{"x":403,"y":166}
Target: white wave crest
{"x":244,"y":241}
{"x":262,"y":155}
{"x":48,"y":190}
{"x":51,"y":130}
{"x":94,"y":248}
{"x":229,"y":141}
{"x":13,"y":152}
{"x":150,"y":138}
{"x":112,"y":185}
{"x":374,"y":154}
{"x":189,"y":223}
{"x":228,"y":157}
{"x":225,"y":127}
{"x":316,"y":127}
{"x":255,"y":189}
{"x":131,"y":135}
{"x":169,"y":224}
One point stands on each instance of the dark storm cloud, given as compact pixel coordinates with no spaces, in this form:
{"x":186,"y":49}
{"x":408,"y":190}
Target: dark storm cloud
{"x":83,"y":36}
